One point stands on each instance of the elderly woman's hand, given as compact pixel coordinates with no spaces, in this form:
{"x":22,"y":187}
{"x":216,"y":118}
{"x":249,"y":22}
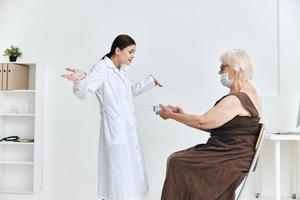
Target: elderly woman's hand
{"x":165,"y":112}
{"x":175,"y":109}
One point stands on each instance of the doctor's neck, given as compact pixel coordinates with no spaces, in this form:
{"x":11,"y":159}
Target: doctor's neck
{"x":116,"y":61}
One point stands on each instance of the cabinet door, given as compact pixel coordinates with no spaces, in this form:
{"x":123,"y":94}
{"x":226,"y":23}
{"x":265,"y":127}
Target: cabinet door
{"x":17,"y":77}
{"x":4,"y":76}
{"x":1,"y":75}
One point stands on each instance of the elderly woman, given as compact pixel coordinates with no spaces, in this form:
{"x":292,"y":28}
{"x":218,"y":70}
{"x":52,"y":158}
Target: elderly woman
{"x":214,"y":170}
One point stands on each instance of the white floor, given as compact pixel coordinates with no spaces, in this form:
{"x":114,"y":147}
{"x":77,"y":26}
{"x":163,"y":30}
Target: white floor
{"x":52,"y":195}
{"x":88,"y":195}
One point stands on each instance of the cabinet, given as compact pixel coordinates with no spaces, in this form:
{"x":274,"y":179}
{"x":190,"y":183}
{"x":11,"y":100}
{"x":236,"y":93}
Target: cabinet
{"x":21,"y":114}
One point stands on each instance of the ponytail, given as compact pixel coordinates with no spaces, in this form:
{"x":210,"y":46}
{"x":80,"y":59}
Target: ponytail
{"x":107,"y":55}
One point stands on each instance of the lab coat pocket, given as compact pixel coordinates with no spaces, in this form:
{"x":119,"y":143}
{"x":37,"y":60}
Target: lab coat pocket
{"x":116,"y":133}
{"x":118,"y":161}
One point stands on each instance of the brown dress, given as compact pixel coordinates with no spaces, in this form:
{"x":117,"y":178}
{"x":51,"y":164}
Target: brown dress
{"x":214,"y":170}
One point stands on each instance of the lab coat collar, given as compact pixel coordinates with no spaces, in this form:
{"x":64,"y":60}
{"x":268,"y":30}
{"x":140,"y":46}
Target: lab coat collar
{"x":111,"y":65}
{"x":109,"y":62}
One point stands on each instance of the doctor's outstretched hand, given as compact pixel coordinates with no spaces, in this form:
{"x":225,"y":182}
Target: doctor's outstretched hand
{"x":74,"y":74}
{"x":156,"y":82}
{"x":167,"y":112}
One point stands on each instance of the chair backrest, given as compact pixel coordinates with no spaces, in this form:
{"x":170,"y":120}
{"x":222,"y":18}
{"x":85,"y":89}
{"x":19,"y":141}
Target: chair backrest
{"x":260,"y":136}
{"x":258,"y":145}
{"x":252,"y":168}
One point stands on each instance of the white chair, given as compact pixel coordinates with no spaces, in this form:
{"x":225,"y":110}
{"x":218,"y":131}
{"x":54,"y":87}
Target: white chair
{"x":254,"y":160}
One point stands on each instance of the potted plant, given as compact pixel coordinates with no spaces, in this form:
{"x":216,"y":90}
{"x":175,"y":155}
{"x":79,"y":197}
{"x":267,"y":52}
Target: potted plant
{"x":13,"y":52}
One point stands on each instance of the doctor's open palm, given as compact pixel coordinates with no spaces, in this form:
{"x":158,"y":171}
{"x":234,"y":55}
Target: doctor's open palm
{"x":74,"y":74}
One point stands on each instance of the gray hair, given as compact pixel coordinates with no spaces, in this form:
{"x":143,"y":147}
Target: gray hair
{"x":239,"y":60}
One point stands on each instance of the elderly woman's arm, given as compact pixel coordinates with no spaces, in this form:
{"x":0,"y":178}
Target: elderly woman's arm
{"x":223,"y":112}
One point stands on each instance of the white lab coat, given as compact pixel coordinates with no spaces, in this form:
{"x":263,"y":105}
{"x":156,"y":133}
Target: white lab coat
{"x":122,"y":173}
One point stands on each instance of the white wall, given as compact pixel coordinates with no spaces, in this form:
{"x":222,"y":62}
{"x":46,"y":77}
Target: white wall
{"x":179,"y":42}
{"x":289,"y":47}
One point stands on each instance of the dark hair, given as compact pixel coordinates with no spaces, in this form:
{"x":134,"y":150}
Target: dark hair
{"x":121,"y":41}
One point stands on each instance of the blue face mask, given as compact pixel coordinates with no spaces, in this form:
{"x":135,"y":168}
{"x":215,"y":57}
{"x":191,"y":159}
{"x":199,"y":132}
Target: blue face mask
{"x":225,"y":80}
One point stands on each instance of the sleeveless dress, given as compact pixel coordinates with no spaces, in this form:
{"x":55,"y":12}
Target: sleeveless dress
{"x":214,"y":170}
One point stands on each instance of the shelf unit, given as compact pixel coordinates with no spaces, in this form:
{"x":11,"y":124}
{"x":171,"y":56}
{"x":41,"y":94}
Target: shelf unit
{"x":22,"y":114}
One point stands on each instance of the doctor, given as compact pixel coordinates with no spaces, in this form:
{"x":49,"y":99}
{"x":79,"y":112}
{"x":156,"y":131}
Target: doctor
{"x":122,"y":173}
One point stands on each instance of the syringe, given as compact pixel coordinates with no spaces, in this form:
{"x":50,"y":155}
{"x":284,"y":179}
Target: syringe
{"x":154,"y":107}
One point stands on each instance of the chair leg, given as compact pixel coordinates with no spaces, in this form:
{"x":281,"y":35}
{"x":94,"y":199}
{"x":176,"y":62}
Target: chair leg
{"x":242,"y":190}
